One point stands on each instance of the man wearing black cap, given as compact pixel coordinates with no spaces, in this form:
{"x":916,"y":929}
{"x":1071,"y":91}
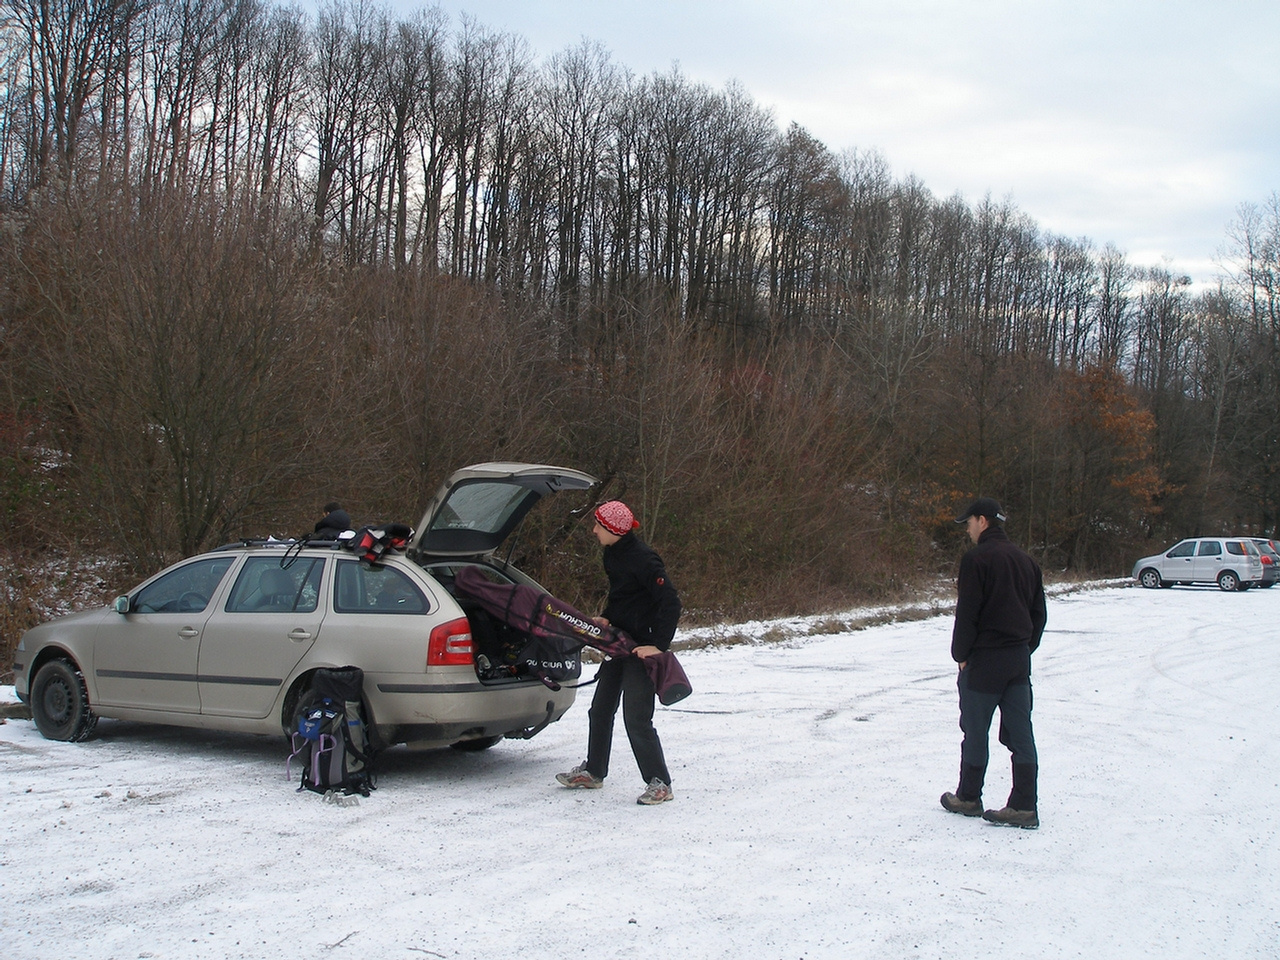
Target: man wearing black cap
{"x":1000,"y":616}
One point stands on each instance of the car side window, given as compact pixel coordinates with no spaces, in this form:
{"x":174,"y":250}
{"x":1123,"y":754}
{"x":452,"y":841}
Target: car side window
{"x":1241,"y":548}
{"x":264,"y":586}
{"x":1210,"y":548}
{"x":361,"y":588}
{"x":185,"y":590}
{"x":1186,"y":548}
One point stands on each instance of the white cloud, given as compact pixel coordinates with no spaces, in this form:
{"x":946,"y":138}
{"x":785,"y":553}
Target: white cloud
{"x":1143,"y":123}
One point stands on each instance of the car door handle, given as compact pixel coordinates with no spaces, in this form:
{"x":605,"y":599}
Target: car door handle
{"x":186,"y":633}
{"x":298,"y":634}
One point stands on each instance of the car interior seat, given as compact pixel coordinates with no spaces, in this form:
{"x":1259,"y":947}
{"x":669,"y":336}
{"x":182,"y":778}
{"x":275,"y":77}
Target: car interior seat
{"x":277,"y":589}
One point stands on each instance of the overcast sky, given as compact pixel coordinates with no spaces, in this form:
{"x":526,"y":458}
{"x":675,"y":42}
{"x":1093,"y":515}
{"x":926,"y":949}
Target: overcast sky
{"x":1139,"y":122}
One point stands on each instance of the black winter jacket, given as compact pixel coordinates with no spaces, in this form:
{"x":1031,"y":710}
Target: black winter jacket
{"x":331,"y":524}
{"x":1000,"y":598}
{"x":642,"y":600}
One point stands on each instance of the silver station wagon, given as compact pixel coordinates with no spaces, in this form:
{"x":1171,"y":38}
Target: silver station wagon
{"x":1233,"y":563}
{"x":230,"y":639}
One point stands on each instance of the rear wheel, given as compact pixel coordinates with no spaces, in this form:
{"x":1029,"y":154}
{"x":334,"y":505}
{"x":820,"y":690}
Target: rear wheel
{"x":1228,"y":581}
{"x":60,"y":702}
{"x":1150,"y":578}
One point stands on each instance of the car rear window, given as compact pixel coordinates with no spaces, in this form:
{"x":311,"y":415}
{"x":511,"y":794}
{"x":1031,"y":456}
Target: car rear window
{"x":361,"y":588}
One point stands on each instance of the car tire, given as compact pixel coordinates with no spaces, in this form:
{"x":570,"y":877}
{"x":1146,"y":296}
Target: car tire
{"x":1228,"y":582}
{"x":293,"y":701}
{"x":1150,"y":578}
{"x":60,"y":703}
{"x":475,"y":746}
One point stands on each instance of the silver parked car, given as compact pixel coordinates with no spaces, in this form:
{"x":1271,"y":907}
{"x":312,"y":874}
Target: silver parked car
{"x":1270,"y":551}
{"x":1233,"y":563}
{"x":230,"y":639}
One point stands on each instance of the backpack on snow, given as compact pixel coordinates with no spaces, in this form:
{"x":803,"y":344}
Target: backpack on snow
{"x":329,"y":739}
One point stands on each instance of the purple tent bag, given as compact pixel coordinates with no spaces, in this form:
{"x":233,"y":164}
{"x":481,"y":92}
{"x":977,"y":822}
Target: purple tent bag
{"x":541,"y":614}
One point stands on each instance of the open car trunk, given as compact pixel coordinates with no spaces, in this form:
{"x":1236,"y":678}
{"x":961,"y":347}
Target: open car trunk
{"x":505,"y":653}
{"x":470,"y":518}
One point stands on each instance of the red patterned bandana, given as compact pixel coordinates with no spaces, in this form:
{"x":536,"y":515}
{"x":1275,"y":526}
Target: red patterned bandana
{"x":616,"y":517}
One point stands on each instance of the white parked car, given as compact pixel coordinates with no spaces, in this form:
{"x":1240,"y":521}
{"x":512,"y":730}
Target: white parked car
{"x":1233,"y":563}
{"x":230,"y":639}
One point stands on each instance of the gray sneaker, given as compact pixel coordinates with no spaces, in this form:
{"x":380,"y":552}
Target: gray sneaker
{"x":580,"y":777}
{"x":970,"y":808}
{"x":1009,"y":817}
{"x":656,"y":792}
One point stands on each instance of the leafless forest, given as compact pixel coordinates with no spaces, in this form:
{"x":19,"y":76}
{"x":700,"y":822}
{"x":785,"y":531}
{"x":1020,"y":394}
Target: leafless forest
{"x":253,"y":259}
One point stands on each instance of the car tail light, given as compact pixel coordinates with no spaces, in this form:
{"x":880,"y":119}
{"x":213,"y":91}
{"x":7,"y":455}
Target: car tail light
{"x":450,"y":644}
{"x":1266,"y":558}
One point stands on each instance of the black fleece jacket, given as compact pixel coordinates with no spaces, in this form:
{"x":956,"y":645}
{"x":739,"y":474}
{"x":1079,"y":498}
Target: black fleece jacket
{"x":642,"y":600}
{"x":332,"y":524}
{"x":1000,"y":597}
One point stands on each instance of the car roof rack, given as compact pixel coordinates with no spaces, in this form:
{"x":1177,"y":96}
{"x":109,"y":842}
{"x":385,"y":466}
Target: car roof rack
{"x":294,"y":542}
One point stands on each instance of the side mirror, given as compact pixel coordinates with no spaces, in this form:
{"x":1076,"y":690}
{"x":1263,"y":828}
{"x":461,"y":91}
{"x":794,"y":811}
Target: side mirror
{"x":121,"y":605}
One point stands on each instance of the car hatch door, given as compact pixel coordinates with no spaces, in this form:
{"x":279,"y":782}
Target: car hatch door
{"x":479,"y":506}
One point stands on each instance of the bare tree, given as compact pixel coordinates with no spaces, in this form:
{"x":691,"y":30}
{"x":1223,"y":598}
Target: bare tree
{"x":1115,"y":278}
{"x":72,"y":50}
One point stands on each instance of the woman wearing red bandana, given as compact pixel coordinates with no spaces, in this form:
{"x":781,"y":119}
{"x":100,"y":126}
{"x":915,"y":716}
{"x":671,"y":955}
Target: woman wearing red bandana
{"x":642,"y":602}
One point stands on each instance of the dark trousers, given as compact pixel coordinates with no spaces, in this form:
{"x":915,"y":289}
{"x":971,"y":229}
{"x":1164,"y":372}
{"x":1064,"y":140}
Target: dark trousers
{"x":989,"y":682}
{"x":625,"y":678}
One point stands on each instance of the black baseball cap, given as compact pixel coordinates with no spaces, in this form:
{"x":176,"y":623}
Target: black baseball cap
{"x":983,"y":507}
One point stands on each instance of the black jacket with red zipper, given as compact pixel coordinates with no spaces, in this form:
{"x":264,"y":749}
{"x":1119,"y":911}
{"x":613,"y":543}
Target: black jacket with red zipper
{"x":642,"y":600}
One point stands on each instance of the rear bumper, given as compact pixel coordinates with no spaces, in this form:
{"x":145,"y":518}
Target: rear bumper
{"x":408,"y":710}
{"x":427,"y":735}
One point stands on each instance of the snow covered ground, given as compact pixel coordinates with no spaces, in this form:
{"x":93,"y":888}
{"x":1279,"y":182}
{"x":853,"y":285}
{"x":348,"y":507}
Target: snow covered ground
{"x":806,"y":822}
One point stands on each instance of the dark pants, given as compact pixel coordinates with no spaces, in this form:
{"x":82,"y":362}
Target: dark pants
{"x":998,"y":679}
{"x":625,"y":678}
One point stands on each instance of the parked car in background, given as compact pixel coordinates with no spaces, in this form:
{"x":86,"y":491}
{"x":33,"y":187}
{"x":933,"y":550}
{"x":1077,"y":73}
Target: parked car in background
{"x":1270,"y":551}
{"x":230,"y":639}
{"x":1233,"y":563}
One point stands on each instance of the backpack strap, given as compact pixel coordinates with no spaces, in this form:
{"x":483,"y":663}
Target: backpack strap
{"x":584,"y":683}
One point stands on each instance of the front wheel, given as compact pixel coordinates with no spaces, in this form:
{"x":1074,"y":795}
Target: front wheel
{"x":1228,"y":581}
{"x":60,"y":702}
{"x":1150,"y":578}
